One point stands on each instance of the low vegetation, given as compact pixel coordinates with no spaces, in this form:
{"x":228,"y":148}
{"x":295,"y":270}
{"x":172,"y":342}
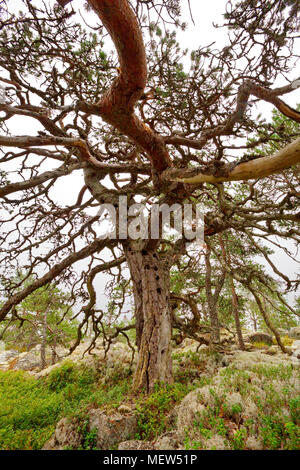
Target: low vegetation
{"x":251,"y":409}
{"x":258,"y":407}
{"x":30,"y":408}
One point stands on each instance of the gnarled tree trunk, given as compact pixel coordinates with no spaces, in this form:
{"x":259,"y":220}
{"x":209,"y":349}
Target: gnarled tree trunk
{"x":150,"y":278}
{"x":236,"y":315}
{"x":44,"y":338}
{"x":211,"y":300}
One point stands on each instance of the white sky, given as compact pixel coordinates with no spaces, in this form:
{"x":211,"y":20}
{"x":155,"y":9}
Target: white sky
{"x":200,"y":34}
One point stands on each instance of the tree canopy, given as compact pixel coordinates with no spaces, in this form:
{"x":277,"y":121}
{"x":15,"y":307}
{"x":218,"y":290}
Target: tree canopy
{"x":155,"y":124}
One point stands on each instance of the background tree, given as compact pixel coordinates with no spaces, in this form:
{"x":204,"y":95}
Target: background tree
{"x":42,"y":319}
{"x":229,"y":283}
{"x":139,"y":124}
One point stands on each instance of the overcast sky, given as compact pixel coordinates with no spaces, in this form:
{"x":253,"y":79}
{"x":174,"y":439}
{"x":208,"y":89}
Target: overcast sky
{"x":200,"y":34}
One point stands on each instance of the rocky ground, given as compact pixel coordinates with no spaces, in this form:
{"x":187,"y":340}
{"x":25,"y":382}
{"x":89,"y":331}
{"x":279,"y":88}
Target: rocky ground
{"x":239,"y":400}
{"x":30,"y":361}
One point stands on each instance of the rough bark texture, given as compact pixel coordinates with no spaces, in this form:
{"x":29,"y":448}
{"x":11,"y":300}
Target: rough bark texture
{"x":212,"y":305}
{"x":150,"y":277}
{"x":268,"y":322}
{"x":234,"y":297}
{"x":44,"y":338}
{"x":236,"y":316}
{"x":53,"y":357}
{"x":117,"y":106}
{"x":258,"y":168}
{"x":136,"y":277}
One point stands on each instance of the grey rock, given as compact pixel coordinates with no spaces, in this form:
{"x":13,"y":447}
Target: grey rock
{"x":273,"y":350}
{"x":282,"y":331}
{"x":135,"y":445}
{"x":225,"y":361}
{"x":295,"y":345}
{"x":215,"y":443}
{"x":253,"y":443}
{"x":296,"y":353}
{"x":187,"y":411}
{"x":8,"y":355}
{"x":124,"y":409}
{"x":168,"y":441}
{"x":66,"y":435}
{"x":112,"y":429}
{"x":28,"y":360}
{"x":294,"y":332}
{"x":260,"y":337}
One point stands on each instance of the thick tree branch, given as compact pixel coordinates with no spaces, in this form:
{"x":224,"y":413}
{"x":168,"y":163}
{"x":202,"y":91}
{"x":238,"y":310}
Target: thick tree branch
{"x":29,"y":141}
{"x":247,"y":89}
{"x":117,"y":106}
{"x":96,"y":246}
{"x":253,"y":169}
{"x":37,"y":180}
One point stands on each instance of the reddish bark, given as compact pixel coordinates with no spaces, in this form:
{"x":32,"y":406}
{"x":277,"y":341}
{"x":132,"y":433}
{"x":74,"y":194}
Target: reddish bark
{"x":117,"y":106}
{"x":124,"y":30}
{"x":63,"y":3}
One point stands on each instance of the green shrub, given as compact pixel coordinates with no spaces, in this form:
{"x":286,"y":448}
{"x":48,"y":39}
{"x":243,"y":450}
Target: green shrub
{"x":69,"y":373}
{"x":30,"y":408}
{"x":294,"y":405}
{"x":238,"y":440}
{"x":286,"y":340}
{"x":89,"y":437}
{"x":152,"y":410}
{"x":259,"y":345}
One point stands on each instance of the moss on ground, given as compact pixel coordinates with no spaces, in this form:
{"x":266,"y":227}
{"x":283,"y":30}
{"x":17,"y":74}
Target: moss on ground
{"x":258,"y":407}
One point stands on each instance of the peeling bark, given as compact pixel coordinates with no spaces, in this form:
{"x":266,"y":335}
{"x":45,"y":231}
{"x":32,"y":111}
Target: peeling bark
{"x":117,"y":106}
{"x":254,"y":169}
{"x":150,"y":278}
